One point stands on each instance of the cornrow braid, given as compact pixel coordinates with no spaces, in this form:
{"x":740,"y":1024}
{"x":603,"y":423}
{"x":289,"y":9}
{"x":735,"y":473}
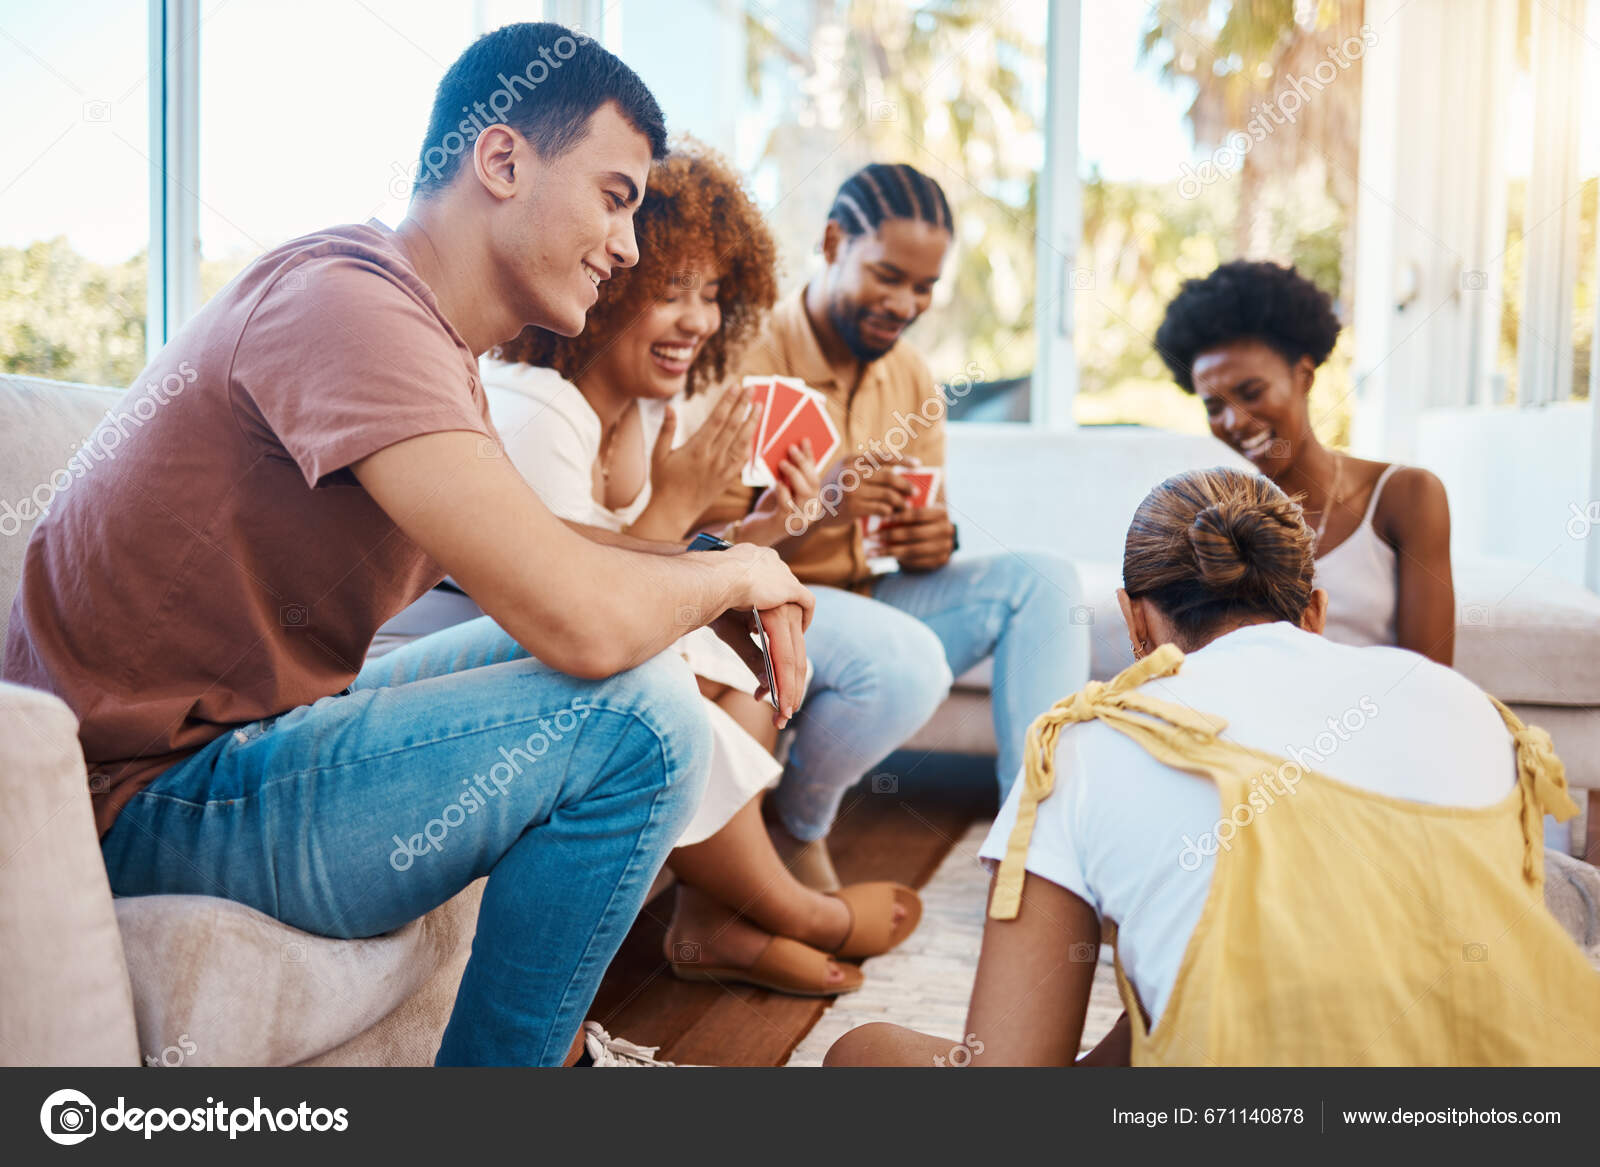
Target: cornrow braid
{"x":883,"y":190}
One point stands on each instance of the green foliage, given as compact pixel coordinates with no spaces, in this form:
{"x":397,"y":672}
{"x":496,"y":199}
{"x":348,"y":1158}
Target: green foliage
{"x":69,"y":318}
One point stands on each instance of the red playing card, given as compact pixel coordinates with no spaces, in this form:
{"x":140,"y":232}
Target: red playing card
{"x":809,"y":420}
{"x":788,"y":393}
{"x":760,"y":390}
{"x":925,"y":479}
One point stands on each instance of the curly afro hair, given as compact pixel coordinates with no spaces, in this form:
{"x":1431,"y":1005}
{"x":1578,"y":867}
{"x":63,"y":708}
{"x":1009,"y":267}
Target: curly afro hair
{"x":1246,"y":300}
{"x":695,"y":208}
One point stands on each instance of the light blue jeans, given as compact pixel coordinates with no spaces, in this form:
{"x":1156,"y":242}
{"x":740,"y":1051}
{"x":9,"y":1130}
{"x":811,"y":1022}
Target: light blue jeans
{"x":883,"y":665}
{"x":454,"y":757}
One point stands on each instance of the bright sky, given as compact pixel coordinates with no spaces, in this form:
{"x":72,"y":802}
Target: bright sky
{"x":313,"y":110}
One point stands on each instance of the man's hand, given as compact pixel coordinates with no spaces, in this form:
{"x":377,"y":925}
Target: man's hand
{"x":921,"y":539}
{"x":786,"y":642}
{"x":885,"y":492}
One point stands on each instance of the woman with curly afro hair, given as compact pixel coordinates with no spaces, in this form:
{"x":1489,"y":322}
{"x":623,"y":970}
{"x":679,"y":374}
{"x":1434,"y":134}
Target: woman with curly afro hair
{"x":1248,"y":340}
{"x":628,"y":427}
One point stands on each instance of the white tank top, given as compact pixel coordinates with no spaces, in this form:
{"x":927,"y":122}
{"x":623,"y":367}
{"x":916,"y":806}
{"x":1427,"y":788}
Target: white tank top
{"x":1360,"y":579}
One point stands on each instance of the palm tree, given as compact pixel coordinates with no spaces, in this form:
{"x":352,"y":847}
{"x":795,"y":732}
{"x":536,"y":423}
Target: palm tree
{"x":1242,"y":59}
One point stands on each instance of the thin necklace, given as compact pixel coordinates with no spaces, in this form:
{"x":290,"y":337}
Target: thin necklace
{"x":1333,"y":498}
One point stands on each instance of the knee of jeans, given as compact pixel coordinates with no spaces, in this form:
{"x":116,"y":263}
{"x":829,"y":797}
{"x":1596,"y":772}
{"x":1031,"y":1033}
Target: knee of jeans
{"x":913,"y":672}
{"x":669,"y":702}
{"x":1049,"y":580}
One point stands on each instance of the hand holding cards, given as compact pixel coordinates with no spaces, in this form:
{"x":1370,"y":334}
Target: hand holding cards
{"x":790,"y":413}
{"x":925,"y":483}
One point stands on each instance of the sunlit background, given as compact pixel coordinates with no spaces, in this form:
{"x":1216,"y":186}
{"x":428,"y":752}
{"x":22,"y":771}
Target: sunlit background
{"x":312,"y":114}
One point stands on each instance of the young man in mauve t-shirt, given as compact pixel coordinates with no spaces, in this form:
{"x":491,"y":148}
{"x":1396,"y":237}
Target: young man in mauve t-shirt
{"x":204,"y":601}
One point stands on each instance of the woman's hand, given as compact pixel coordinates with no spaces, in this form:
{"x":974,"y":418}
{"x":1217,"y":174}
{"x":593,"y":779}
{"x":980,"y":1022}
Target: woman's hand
{"x":687,"y":480}
{"x":785,"y":509}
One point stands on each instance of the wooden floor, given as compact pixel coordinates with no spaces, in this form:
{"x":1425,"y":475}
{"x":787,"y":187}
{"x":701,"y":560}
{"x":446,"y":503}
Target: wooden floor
{"x":881,"y":833}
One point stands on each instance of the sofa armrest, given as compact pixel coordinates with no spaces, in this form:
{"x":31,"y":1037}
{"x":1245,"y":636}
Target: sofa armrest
{"x":66,"y":997}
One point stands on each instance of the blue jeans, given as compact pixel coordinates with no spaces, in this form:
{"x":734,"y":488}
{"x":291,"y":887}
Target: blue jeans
{"x":883,"y":665}
{"x":454,"y":757}
{"x":1026,"y":610}
{"x":877,"y":676}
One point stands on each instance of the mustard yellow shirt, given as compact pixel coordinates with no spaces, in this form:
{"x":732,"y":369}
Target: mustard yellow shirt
{"x":1322,"y":941}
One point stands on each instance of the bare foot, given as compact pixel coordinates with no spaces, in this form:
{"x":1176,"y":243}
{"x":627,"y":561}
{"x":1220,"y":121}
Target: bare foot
{"x":704,"y":932}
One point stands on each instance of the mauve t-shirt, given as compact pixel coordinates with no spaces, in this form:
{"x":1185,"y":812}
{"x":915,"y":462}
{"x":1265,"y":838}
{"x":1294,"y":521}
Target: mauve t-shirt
{"x":222,"y":564}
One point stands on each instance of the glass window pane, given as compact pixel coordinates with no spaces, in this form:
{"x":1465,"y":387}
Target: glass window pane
{"x":74,"y":190}
{"x":1233,"y":133}
{"x":954,"y":89}
{"x":312,"y":114}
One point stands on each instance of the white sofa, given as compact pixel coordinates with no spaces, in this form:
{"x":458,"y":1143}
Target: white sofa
{"x":1528,"y":637}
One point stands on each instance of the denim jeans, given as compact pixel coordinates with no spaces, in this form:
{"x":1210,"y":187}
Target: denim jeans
{"x":883,"y":665}
{"x":1026,"y":610}
{"x":454,"y":757}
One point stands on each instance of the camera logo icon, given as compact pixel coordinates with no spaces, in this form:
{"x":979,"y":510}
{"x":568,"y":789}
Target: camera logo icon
{"x":68,"y":1117}
{"x":1474,"y":952}
{"x":885,"y":784}
{"x":685,"y":952}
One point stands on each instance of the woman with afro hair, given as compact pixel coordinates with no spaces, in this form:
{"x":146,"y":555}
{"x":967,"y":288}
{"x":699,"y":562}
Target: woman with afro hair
{"x":1248,"y":340}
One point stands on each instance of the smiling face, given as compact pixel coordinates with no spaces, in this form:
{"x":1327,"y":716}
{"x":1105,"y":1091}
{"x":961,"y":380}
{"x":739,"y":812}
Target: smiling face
{"x":1256,"y":401}
{"x":569,"y":223}
{"x":652,"y":356}
{"x":877,"y":284}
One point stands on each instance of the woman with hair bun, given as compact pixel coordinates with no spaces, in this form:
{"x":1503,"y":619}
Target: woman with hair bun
{"x":1308,"y":853}
{"x":1248,"y":340}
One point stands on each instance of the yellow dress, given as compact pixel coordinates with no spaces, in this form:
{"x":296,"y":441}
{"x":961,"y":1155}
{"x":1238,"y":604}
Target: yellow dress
{"x":1323,"y":940}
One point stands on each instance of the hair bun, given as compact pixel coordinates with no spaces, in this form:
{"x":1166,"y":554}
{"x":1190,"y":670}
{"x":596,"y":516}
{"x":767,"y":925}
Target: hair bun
{"x":1239,"y":547}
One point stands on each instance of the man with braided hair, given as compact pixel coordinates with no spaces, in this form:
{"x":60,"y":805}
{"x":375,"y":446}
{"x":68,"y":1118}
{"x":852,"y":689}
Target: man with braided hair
{"x":883,"y":246}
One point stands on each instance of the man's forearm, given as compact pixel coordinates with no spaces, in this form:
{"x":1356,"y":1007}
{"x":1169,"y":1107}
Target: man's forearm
{"x":626,"y":542}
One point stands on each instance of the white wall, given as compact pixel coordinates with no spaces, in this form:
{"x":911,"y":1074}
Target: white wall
{"x":1517,"y":479}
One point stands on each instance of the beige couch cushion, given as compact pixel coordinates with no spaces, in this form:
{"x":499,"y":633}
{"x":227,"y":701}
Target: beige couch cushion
{"x":1522,"y":634}
{"x":1526,"y":635}
{"x":225,"y":985}
{"x":67,"y":1000}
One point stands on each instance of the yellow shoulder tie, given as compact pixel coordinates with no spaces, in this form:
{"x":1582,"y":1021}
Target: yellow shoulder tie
{"x":1543,"y":779}
{"x":1098,"y":699}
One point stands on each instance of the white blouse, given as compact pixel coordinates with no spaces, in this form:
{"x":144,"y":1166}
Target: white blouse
{"x":552,"y":435}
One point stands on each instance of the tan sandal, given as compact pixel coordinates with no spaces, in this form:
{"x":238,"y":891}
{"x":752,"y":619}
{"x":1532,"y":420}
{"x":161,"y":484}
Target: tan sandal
{"x":872,"y":928}
{"x":784,"y":966}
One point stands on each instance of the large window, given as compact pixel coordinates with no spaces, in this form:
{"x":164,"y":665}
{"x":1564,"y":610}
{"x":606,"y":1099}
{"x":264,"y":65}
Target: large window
{"x":1210,"y":132}
{"x":821,"y":88}
{"x":312,"y":113}
{"x":74,"y":190}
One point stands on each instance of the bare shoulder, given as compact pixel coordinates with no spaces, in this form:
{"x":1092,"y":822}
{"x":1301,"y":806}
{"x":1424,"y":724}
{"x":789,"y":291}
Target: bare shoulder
{"x":1413,"y":505}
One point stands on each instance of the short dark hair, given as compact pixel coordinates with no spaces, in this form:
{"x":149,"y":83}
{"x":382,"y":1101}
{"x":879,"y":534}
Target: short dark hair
{"x":882,"y":191}
{"x":543,"y":80}
{"x":1246,"y":300}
